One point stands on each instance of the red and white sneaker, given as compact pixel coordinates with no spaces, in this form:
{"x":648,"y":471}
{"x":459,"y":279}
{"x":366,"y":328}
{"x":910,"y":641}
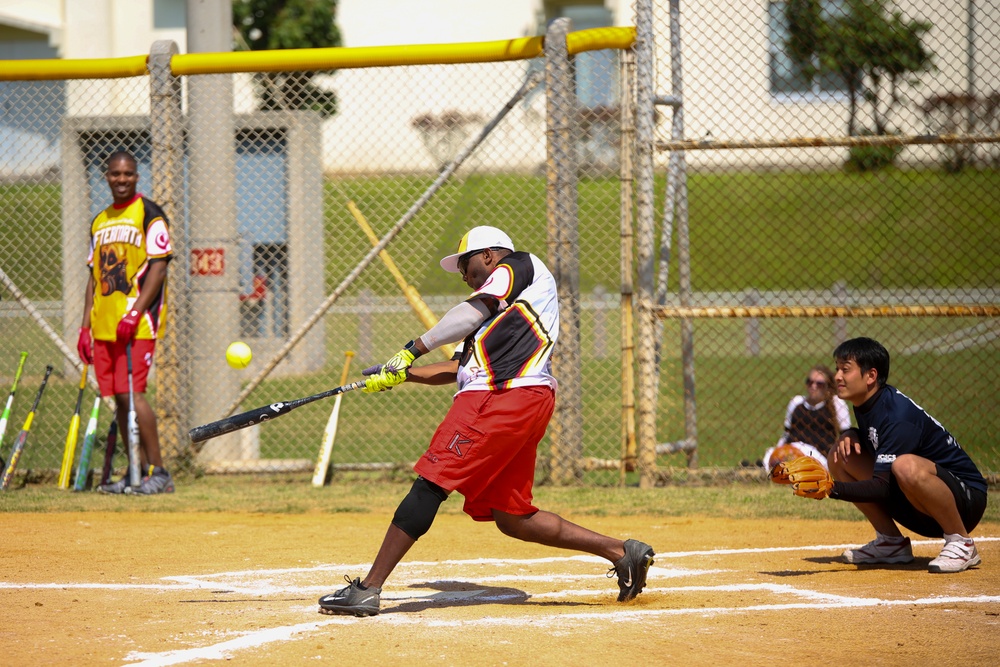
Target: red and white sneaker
{"x":955,"y":557}
{"x":881,"y":550}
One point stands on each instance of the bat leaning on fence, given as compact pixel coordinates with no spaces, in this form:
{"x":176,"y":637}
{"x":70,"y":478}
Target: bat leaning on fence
{"x":72,"y":435}
{"x":83,"y":467}
{"x":109,"y":450}
{"x":263,"y":414}
{"x":330,"y":432}
{"x":10,"y":401}
{"x":22,"y":437}
{"x":134,"y":467}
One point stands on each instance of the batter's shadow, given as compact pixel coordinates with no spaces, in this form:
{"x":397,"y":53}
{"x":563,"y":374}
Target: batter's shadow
{"x":464,"y":594}
{"x":917,"y":564}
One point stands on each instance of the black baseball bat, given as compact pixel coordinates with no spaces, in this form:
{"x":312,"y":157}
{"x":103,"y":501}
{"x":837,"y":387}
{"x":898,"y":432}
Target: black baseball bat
{"x":22,"y":437}
{"x":263,"y":414}
{"x":109,"y":450}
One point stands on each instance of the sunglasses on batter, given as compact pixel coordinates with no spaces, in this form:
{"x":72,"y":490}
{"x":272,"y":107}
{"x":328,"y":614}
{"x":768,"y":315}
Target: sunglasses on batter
{"x":463,"y":261}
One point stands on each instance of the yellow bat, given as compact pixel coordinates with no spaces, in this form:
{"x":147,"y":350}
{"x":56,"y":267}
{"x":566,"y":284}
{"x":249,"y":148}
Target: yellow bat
{"x":22,"y":437}
{"x":71,"y":437}
{"x":427,"y":318}
{"x":326,"y":449}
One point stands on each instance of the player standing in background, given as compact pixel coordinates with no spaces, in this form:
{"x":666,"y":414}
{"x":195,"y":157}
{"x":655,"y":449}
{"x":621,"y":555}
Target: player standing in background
{"x":125,"y":303}
{"x":813,"y":422}
{"x":485,"y":447}
{"x":901,"y":465}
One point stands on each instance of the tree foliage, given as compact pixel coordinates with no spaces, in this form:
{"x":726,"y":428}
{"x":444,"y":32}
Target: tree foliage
{"x":288,"y":24}
{"x":871,"y":49}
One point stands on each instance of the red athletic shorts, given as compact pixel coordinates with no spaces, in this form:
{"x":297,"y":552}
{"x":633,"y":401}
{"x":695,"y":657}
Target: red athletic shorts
{"x":485,"y":449}
{"x":112,"y":371}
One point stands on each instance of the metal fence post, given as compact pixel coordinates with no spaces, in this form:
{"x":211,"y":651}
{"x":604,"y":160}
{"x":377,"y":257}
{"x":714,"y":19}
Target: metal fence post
{"x":646,"y":325}
{"x":167,"y":139}
{"x":751,"y":325}
{"x":215,"y":286}
{"x":683,"y":242}
{"x":840,"y":323}
{"x":626,"y":265}
{"x":563,"y":241}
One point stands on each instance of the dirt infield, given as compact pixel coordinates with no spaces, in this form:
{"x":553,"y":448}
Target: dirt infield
{"x":195,"y":588}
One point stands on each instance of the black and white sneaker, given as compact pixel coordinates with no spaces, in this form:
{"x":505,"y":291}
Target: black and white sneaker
{"x":351,"y":599}
{"x":881,"y":550}
{"x":632,"y":569}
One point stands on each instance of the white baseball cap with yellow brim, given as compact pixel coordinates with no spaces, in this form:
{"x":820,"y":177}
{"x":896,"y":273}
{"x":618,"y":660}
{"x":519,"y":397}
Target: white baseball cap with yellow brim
{"x":477,"y":238}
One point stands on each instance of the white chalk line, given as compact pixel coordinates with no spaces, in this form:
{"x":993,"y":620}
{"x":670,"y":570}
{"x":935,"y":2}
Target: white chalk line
{"x":639,"y":614}
{"x":225,"y":650}
{"x":817,"y":547}
{"x":813,"y":600}
{"x":223,"y":584}
{"x":235,"y":581}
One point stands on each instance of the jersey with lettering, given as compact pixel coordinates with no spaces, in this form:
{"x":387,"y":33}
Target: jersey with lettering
{"x":513,"y":348}
{"x":892,"y":425}
{"x":123,"y":242}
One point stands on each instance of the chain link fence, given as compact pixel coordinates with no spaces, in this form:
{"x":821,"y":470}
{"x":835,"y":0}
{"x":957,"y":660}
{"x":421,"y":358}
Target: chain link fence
{"x":819,"y":178}
{"x":275,"y":236}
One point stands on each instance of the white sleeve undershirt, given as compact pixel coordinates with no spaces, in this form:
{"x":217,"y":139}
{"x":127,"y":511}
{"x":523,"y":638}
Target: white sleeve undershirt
{"x":456,"y":324}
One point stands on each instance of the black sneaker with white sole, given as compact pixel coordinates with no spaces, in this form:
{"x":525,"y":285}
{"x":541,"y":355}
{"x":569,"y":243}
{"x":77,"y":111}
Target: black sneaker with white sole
{"x":351,"y":600}
{"x":632,"y":568}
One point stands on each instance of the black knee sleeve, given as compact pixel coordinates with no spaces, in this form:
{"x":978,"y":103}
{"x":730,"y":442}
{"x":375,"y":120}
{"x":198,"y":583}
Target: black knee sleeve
{"x":416,"y":512}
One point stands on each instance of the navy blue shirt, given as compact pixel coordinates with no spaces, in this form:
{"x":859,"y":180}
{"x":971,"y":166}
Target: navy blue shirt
{"x":892,"y":425}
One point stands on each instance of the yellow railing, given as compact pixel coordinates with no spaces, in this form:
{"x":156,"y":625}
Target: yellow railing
{"x":287,"y":60}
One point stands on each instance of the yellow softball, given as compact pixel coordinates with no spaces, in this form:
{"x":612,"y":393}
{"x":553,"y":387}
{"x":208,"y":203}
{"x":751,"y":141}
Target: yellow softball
{"x":238,"y":354}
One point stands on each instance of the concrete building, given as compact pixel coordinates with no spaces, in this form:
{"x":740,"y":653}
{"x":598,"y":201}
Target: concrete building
{"x":738,"y":84}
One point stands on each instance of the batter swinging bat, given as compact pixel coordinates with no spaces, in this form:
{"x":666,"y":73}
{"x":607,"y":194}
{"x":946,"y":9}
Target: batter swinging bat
{"x":10,"y":399}
{"x":22,"y":437}
{"x":83,"y":467}
{"x":330,"y":433}
{"x":72,"y":435}
{"x":134,"y":474}
{"x":263,"y":414}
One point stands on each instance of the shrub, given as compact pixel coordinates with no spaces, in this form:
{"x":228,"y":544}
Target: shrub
{"x":872,"y":158}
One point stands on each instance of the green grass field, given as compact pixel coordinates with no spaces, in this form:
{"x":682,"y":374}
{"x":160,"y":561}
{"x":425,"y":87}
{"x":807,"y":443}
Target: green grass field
{"x":948,"y":225}
{"x":911,"y":231}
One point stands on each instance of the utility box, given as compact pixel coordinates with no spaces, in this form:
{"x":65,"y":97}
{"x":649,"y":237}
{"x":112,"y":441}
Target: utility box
{"x":279,"y":204}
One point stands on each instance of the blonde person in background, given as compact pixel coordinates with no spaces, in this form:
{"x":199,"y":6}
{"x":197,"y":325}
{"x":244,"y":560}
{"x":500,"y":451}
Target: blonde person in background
{"x":813,"y":421}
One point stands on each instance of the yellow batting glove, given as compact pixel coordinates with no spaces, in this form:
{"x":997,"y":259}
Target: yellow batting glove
{"x":379,"y":382}
{"x":400,"y":362}
{"x":394,"y":371}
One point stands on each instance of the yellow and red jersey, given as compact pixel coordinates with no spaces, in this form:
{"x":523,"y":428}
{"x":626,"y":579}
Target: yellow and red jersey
{"x":123,"y":242}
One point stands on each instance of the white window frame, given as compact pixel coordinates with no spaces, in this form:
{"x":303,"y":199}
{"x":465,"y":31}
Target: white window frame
{"x":816,"y":94}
